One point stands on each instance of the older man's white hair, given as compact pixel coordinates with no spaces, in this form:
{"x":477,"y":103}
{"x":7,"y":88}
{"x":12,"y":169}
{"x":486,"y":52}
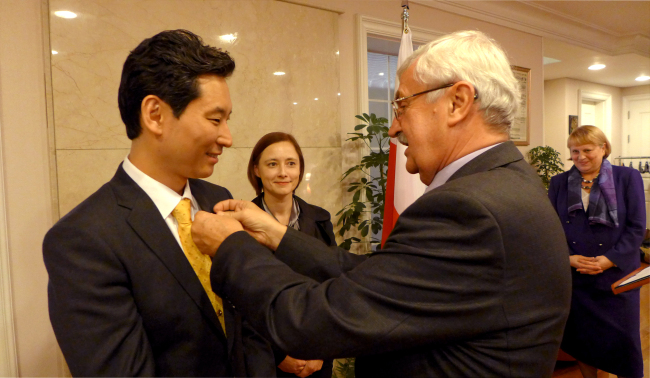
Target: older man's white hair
{"x":474,"y":57}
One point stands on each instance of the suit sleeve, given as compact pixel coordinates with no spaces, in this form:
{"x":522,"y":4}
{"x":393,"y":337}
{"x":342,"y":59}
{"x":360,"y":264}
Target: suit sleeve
{"x":321,"y":262}
{"x":91,"y":308}
{"x":329,"y":230}
{"x":625,"y":252}
{"x":441,"y":269}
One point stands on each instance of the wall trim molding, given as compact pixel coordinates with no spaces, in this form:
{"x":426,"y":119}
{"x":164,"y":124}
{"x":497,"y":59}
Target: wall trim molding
{"x":8,"y":355}
{"x":539,"y":20}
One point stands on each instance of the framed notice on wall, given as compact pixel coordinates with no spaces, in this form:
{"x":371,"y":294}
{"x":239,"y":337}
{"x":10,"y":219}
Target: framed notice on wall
{"x":520,"y":129}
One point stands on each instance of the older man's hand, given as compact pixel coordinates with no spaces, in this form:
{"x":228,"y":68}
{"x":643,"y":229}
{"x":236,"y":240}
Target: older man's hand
{"x":257,"y":222}
{"x":210,"y":230}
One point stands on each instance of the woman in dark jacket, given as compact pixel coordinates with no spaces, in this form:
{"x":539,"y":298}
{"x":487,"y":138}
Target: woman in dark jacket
{"x":275,"y":170}
{"x":602,"y":210}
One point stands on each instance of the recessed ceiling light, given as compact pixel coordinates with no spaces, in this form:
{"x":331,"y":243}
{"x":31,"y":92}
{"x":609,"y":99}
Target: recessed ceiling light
{"x":381,"y":74}
{"x":229,"y":38}
{"x":642,"y":78}
{"x":279,"y":73}
{"x":337,"y":53}
{"x":316,"y":99}
{"x":295,"y":103}
{"x":54,"y":52}
{"x":597,"y":67}
{"x":339,"y":94}
{"x":65,"y":14}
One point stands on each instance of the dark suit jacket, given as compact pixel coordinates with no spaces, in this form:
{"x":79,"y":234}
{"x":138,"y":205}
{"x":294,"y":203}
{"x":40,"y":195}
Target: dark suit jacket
{"x":620,"y":244}
{"x":124,"y":300}
{"x":314,"y":221}
{"x":474,"y":281}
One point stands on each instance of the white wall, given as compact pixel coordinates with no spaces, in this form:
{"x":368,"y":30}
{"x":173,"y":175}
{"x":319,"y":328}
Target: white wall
{"x":26,"y":177}
{"x":631,"y":91}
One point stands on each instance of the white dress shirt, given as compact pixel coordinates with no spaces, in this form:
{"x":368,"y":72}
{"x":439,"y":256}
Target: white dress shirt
{"x":162,"y":196}
{"x":443,"y":176}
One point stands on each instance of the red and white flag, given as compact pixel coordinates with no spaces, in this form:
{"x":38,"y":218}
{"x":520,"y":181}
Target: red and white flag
{"x":402,"y":188}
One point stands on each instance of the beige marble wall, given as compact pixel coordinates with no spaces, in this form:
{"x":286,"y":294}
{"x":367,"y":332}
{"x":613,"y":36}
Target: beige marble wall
{"x":272,"y":36}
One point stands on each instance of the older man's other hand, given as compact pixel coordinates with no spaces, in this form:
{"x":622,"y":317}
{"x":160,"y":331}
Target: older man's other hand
{"x":257,"y":222}
{"x":210,"y":230}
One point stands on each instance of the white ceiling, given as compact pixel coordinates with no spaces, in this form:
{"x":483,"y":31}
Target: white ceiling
{"x":578,"y":33}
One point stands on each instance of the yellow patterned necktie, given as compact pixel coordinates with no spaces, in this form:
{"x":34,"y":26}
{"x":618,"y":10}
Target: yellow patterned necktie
{"x":200,"y":263}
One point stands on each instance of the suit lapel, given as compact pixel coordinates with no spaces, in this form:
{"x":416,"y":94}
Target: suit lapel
{"x":146,"y":221}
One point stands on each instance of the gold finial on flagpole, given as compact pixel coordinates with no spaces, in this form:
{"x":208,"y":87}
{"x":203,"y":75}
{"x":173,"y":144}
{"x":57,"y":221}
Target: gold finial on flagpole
{"x":405,"y":16}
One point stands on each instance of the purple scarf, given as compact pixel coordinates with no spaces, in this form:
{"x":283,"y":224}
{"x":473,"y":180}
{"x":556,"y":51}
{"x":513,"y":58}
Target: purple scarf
{"x":602,"y":199}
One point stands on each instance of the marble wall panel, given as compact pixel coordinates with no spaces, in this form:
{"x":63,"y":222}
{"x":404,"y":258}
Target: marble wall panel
{"x":82,"y":172}
{"x":271,"y":36}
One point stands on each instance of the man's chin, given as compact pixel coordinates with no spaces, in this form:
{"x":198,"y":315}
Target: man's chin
{"x":411,"y":167}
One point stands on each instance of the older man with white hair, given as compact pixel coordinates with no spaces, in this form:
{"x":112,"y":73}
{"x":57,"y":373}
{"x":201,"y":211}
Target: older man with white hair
{"x":474,"y":279}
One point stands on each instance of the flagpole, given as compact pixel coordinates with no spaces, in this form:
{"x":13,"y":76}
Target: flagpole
{"x":405,"y":16}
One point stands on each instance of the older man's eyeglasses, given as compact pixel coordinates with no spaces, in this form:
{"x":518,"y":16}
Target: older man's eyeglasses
{"x":400,"y":111}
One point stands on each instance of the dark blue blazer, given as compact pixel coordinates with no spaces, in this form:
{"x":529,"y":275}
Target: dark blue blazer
{"x":621,"y":244}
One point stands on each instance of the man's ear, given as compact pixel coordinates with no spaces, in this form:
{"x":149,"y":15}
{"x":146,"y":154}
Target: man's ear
{"x":152,"y":114}
{"x":461,"y":101}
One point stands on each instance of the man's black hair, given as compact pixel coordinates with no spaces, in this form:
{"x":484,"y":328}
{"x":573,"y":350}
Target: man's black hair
{"x":167,"y":65}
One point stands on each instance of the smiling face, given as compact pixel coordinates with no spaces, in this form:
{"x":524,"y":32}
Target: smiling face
{"x":279,"y":169}
{"x":587,"y":158}
{"x":423,"y":125}
{"x":190,"y":145}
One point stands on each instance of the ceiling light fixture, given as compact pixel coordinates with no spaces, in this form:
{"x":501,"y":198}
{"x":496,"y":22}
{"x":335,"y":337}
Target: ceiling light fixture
{"x":381,"y":74}
{"x":65,"y":14}
{"x":279,"y":73}
{"x":316,"y":99}
{"x":228,"y":38}
{"x":597,"y":67}
{"x":295,"y":103}
{"x":642,"y":78}
{"x":54,"y":52}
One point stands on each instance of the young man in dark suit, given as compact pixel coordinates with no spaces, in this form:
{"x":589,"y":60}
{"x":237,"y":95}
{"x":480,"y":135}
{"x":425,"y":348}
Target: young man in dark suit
{"x":473,"y":280}
{"x":129,"y":294}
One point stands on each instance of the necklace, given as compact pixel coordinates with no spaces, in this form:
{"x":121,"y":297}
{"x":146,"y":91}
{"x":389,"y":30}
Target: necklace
{"x":588,"y":182}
